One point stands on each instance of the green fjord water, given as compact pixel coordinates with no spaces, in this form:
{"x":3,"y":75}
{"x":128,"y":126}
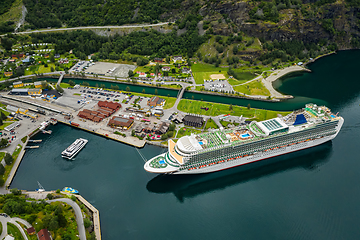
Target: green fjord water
{"x":311,"y":194}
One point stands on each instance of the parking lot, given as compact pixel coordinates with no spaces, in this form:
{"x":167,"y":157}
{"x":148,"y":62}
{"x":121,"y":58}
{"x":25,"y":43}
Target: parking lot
{"x":218,"y":86}
{"x":103,"y":68}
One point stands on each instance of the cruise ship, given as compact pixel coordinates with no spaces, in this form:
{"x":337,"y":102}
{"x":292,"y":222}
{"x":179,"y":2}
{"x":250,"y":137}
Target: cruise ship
{"x":222,"y":149}
{"x":74,"y":148}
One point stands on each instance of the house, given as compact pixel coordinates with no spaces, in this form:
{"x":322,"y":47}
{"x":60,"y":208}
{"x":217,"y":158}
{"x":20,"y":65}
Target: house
{"x":112,"y":105}
{"x":46,"y":55}
{"x":177,"y":58}
{"x":162,"y":128}
{"x":157,"y":112}
{"x":156,"y":101}
{"x":139,"y":128}
{"x":38,"y":84}
{"x":34,"y":91}
{"x":44,"y":234}
{"x":193,"y":121}
{"x":8,"y":237}
{"x":165,"y":68}
{"x":57,"y":55}
{"x":18,"y":84}
{"x":186,"y":70}
{"x":178,"y":118}
{"x":26,"y":60}
{"x":31,"y":231}
{"x":14,"y":56}
{"x":8,"y":74}
{"x":124,"y":123}
{"x":149,"y":128}
{"x":20,"y":91}
{"x":142,"y":75}
{"x":158,"y":60}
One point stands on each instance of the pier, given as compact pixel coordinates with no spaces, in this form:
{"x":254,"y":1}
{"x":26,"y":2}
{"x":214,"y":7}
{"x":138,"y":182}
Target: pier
{"x":35,"y":141}
{"x":27,"y":147}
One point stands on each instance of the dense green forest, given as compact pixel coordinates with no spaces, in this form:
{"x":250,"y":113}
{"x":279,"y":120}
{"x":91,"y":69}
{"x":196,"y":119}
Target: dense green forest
{"x":150,"y":43}
{"x":54,"y":13}
{"x":5,"y":6}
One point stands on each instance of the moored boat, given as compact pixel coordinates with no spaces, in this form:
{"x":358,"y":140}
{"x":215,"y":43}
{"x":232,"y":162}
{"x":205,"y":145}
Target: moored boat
{"x":70,"y":190}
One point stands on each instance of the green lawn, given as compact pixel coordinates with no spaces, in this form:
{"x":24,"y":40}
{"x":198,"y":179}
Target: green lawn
{"x":211,"y":124}
{"x":187,"y":131}
{"x":243,"y":75}
{"x":64,"y":85}
{"x":215,"y":109}
{"x":203,"y":71}
{"x":253,"y":88}
{"x":14,"y":231}
{"x":5,"y":125}
{"x":39,"y":69}
{"x":224,"y":123}
{"x":9,"y":167}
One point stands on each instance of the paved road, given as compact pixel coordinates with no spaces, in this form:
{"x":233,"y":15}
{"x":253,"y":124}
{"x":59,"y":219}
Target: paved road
{"x":78,"y":215}
{"x":92,"y":27}
{"x":5,"y":220}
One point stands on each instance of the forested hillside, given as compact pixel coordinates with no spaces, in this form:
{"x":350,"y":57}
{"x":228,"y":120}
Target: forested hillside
{"x":55,"y":13}
{"x":305,"y":20}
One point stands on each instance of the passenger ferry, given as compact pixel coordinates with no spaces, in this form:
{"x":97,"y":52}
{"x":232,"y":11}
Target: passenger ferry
{"x":256,"y":141}
{"x":74,"y":148}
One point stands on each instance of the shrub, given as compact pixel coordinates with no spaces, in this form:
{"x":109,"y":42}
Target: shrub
{"x":8,"y":159}
{"x":2,"y":169}
{"x":49,"y":196}
{"x":87,"y":223}
{"x":24,"y":139}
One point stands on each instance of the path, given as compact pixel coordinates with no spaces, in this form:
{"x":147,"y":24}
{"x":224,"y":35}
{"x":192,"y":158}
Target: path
{"x":5,"y":220}
{"x":92,"y":27}
{"x":78,"y":215}
{"x":60,"y":79}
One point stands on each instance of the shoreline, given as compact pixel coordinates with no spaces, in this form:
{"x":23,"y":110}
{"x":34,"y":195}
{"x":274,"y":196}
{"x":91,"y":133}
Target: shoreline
{"x":276,"y":75}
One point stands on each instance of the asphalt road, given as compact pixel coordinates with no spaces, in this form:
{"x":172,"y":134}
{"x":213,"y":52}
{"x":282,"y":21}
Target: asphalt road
{"x":78,"y":215}
{"x":91,"y":27}
{"x":5,"y":220}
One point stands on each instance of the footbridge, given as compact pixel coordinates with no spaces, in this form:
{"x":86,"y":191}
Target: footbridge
{"x":60,"y":79}
{"x":178,"y":98}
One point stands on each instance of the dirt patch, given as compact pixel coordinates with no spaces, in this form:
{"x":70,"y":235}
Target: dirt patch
{"x":217,"y":76}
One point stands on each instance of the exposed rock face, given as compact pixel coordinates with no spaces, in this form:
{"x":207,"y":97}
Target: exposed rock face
{"x":345,"y":21}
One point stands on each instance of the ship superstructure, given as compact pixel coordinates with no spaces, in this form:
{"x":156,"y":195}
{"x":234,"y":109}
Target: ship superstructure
{"x":222,"y":149}
{"x":74,"y":148}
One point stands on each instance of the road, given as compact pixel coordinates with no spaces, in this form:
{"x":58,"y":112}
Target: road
{"x":92,"y":27}
{"x":5,"y":220}
{"x":78,"y":215}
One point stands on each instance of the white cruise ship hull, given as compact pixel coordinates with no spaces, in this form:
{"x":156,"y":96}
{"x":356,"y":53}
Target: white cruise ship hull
{"x":256,"y":157}
{"x":259,"y":156}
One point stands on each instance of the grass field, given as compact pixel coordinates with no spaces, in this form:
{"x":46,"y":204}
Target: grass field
{"x":186,"y":132}
{"x":64,"y":85}
{"x":215,"y":109}
{"x":253,"y":88}
{"x":14,"y":14}
{"x":5,"y":125}
{"x":9,"y":167}
{"x":14,"y":231}
{"x":40,"y":69}
{"x":203,"y":71}
{"x":211,"y":124}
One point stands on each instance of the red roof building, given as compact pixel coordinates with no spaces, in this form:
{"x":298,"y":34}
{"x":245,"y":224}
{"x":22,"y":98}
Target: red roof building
{"x":31,"y":231}
{"x":44,"y":234}
{"x":111,"y":105}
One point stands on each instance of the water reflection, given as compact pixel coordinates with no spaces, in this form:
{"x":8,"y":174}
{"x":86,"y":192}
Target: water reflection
{"x":188,"y":186}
